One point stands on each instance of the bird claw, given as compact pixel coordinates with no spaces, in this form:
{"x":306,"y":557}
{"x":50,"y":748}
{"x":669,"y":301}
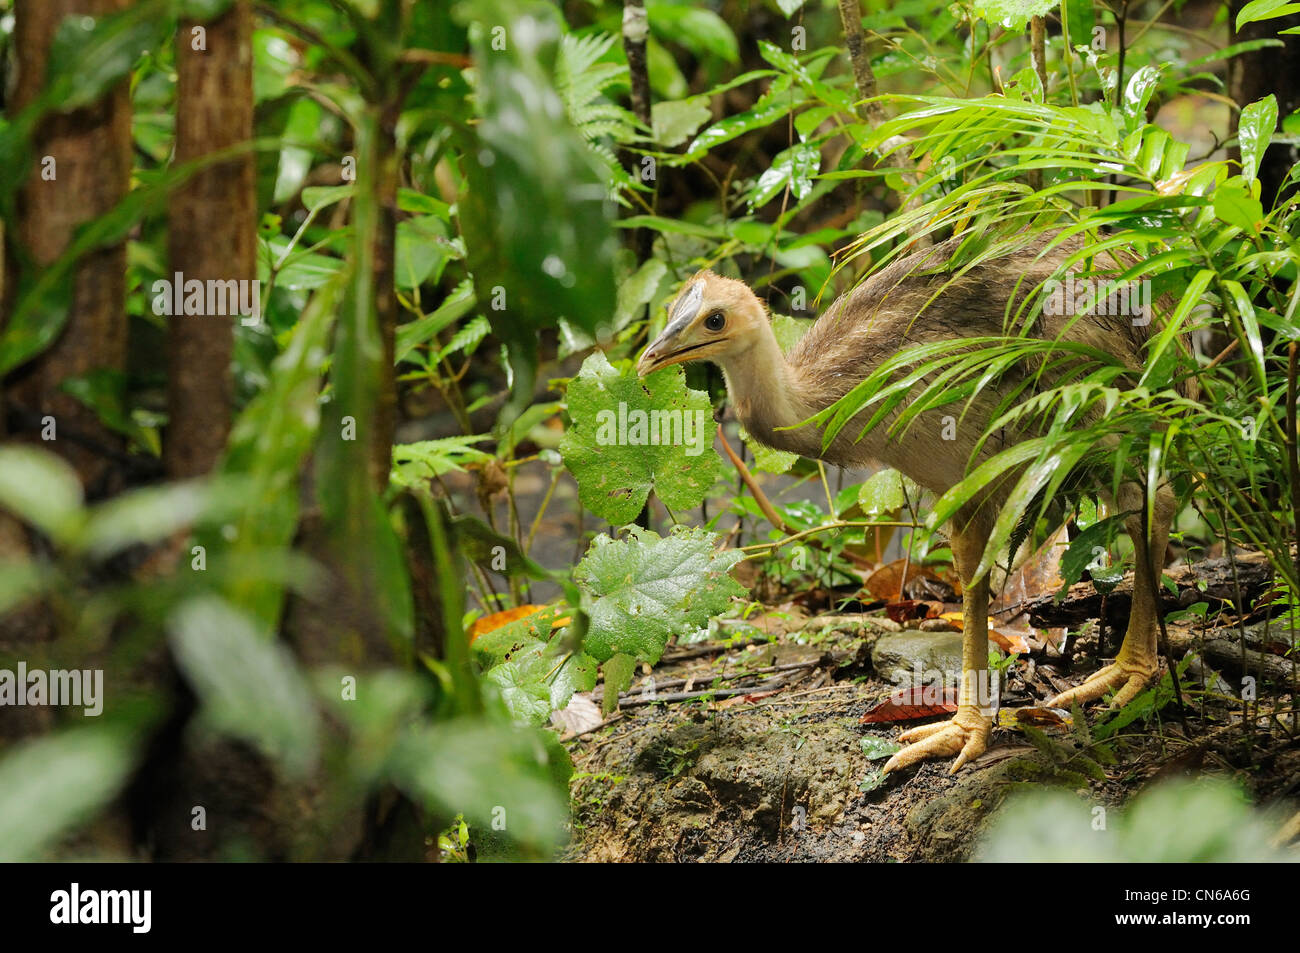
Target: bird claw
{"x":966,"y":735}
{"x":1125,"y":678}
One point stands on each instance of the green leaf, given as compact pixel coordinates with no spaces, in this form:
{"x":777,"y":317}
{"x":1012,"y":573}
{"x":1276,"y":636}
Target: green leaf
{"x":643,"y":589}
{"x":766,"y":111}
{"x":1012,"y":14}
{"x":1258,"y":10}
{"x":537,"y":680}
{"x":534,"y":216}
{"x":677,"y":120}
{"x":90,"y":54}
{"x":1137,"y":94}
{"x":876,"y":748}
{"x":793,"y":167}
{"x":421,"y":247}
{"x":41,"y":490}
{"x":523,"y":690}
{"x":103,"y":390}
{"x":145,"y":515}
{"x":638,"y":291}
{"x":628,"y":436}
{"x":1254,"y":131}
{"x":701,"y":31}
{"x":415,"y":464}
{"x":1236,"y":206}
{"x":453,"y":308}
{"x":268,"y":444}
{"x":790,"y":7}
{"x":765,"y":458}
{"x":250,"y":686}
{"x":1081,"y":550}
{"x":618,"y":671}
{"x":885,"y":492}
{"x":47,"y":786}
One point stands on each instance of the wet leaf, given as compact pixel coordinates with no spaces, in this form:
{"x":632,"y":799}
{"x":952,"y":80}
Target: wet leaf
{"x":628,"y":437}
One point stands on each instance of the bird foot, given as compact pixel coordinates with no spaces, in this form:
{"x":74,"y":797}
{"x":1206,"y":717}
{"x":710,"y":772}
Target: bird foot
{"x":966,"y":735}
{"x":1125,"y":677}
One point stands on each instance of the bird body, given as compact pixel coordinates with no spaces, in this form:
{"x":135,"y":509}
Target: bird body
{"x":920,"y":299}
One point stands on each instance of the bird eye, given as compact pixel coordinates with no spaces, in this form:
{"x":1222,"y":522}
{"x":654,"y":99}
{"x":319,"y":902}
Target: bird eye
{"x":715,"y":321}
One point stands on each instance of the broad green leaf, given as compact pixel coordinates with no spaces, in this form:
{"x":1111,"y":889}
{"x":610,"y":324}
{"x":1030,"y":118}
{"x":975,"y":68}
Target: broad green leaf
{"x":23,"y":579}
{"x":249,"y":685}
{"x":301,"y":270}
{"x":875,"y":748}
{"x":537,"y":680}
{"x":766,"y":111}
{"x":628,"y":436}
{"x":698,"y":29}
{"x":618,"y":672}
{"x":1013,"y":14}
{"x":677,"y":120}
{"x":1236,"y":206}
{"x":49,"y":785}
{"x":1258,"y":10}
{"x":643,"y":589}
{"x":795,"y":168}
{"x":1254,"y":131}
{"x":1138,"y":93}
{"x":521,"y":682}
{"x":1177,"y":821}
{"x":145,"y":515}
{"x":1082,"y":549}
{"x":317,"y":197}
{"x":41,"y":490}
{"x":886,"y":492}
{"x":767,"y":459}
{"x":638,"y":291}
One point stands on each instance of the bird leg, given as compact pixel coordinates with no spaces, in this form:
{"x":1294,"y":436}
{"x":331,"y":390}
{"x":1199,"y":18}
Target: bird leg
{"x":1138,"y":659}
{"x":966,"y":733}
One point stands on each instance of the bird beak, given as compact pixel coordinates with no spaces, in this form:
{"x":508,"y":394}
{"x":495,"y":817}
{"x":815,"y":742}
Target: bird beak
{"x":660,"y":352}
{"x":652,"y":356}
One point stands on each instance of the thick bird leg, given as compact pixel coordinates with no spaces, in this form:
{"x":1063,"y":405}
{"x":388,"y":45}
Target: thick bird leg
{"x":966,"y":733}
{"x":1137,"y":661}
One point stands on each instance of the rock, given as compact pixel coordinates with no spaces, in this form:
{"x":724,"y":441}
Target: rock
{"x":1197,"y":671}
{"x":913,"y":658}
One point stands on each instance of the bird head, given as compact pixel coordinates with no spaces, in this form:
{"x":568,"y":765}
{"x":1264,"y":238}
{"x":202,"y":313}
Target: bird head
{"x":712,"y":319}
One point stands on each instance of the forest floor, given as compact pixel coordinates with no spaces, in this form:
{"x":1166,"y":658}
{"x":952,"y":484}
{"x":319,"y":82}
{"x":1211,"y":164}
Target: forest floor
{"x":754,"y":748}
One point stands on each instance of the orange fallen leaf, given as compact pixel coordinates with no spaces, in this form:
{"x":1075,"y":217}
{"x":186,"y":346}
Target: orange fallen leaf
{"x":497,"y":620}
{"x":884,"y":584}
{"x":908,"y":704}
{"x":1010,"y":642}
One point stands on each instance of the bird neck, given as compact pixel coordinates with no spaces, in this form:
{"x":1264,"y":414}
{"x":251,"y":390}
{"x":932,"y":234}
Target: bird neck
{"x":767,"y":395}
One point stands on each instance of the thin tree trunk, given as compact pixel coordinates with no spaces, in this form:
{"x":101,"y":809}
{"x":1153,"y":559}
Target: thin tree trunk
{"x":636,"y":28}
{"x":212,"y":228}
{"x":81,"y":170}
{"x":869,"y":110}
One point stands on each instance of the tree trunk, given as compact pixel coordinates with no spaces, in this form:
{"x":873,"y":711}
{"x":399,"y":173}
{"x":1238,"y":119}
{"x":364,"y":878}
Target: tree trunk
{"x":81,"y":170}
{"x":212,"y":228}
